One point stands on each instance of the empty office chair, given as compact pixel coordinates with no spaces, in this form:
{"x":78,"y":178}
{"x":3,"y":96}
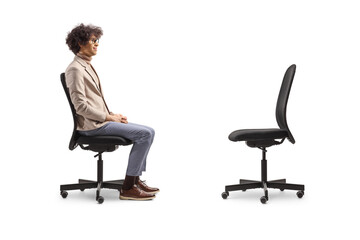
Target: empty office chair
{"x":264,"y":138}
{"x":99,"y":144}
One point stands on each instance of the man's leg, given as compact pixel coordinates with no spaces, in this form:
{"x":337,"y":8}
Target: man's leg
{"x":152,"y":131}
{"x":142,"y":137}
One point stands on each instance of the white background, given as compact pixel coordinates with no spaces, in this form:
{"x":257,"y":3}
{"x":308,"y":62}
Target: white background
{"x":195,"y":71}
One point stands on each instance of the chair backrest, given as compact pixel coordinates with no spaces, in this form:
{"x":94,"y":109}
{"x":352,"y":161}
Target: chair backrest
{"x":75,"y":134}
{"x":283,"y":99}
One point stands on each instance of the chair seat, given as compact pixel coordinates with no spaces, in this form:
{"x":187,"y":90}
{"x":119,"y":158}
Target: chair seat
{"x":103,"y":140}
{"x":102,"y":143}
{"x":258,"y":134}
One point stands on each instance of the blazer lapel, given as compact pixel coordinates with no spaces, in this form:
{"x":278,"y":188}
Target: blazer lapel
{"x":93,"y":78}
{"x":98,"y":84}
{"x":90,"y":72}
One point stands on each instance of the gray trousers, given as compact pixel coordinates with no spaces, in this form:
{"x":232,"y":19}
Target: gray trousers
{"x":142,"y":137}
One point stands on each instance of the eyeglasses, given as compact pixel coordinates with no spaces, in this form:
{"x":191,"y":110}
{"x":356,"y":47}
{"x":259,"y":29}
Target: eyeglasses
{"x":93,"y":41}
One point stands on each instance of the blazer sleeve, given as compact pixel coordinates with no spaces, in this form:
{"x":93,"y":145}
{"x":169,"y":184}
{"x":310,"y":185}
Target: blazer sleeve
{"x":76,"y":85}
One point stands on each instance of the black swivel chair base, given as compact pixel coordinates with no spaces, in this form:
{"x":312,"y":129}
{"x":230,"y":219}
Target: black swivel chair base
{"x":87,"y":184}
{"x":264,"y":183}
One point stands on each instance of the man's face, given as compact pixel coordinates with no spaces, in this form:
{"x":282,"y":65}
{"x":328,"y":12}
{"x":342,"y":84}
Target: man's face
{"x":90,"y":49}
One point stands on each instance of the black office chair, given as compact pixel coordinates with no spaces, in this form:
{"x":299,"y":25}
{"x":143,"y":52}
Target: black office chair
{"x":99,"y":144}
{"x":263,"y":138}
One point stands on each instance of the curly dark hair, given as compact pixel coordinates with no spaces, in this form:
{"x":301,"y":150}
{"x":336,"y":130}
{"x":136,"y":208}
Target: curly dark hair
{"x":81,"y":35}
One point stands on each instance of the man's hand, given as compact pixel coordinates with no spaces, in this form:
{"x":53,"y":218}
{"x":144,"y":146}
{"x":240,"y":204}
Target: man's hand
{"x":116,"y":118}
{"x":123,"y":118}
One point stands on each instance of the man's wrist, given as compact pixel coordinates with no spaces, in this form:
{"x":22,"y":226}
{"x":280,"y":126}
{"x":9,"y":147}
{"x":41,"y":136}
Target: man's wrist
{"x":109,"y":118}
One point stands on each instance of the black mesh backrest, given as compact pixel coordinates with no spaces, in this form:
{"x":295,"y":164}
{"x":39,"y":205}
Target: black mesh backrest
{"x":75,"y":135}
{"x":283,"y":99}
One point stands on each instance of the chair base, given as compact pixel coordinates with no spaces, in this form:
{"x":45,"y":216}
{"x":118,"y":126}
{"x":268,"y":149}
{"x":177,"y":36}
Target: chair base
{"x":88,"y":184}
{"x":264,"y":183}
{"x":252,"y":184}
{"x":99,"y":184}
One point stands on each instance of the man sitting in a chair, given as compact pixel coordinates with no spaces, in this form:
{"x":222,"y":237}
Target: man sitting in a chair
{"x":94,"y":117}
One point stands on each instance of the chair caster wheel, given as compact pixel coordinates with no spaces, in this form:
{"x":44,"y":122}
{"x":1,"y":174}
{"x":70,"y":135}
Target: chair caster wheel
{"x":82,"y":189}
{"x":281,"y":189}
{"x":224,"y":195}
{"x":63,"y":194}
{"x":100,"y":199}
{"x":263,"y":199}
{"x":300,"y":194}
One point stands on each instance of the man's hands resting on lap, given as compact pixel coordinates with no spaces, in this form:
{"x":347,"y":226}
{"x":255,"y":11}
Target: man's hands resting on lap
{"x":116,"y":118}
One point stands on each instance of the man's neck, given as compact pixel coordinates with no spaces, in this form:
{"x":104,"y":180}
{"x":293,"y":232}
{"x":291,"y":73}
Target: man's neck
{"x":84,"y":57}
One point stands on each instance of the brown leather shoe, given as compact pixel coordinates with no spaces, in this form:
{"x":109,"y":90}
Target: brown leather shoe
{"x":146,"y":188}
{"x":135,"y":193}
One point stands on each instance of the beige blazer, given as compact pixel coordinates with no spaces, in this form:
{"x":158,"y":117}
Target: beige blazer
{"x":86,"y":95}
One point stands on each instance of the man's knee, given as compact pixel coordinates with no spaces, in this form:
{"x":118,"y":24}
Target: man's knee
{"x":145,"y":135}
{"x":152,"y":132}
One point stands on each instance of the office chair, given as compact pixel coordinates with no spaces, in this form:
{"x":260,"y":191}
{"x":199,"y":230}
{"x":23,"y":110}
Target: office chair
{"x":99,"y":144}
{"x":264,"y":138}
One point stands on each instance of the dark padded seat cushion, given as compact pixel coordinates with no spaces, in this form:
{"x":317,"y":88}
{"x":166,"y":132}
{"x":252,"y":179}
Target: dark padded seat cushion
{"x":104,"y":140}
{"x":257,"y":134}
